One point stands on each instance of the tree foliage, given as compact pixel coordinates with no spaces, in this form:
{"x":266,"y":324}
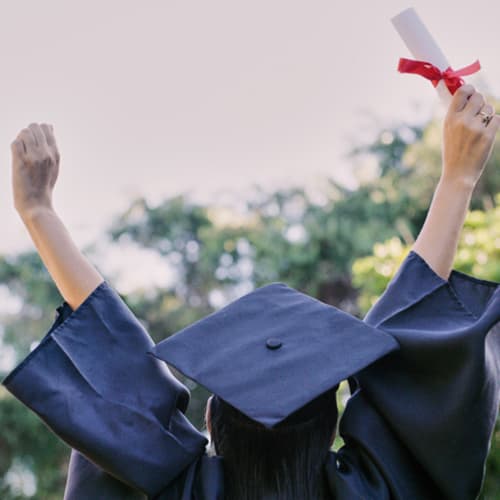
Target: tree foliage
{"x":478,"y":255}
{"x":317,"y":244}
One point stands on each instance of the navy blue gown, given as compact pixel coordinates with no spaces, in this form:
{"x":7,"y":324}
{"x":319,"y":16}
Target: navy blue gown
{"x":417,"y":427}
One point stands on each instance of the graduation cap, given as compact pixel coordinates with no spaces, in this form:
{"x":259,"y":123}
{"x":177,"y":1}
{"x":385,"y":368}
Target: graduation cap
{"x":273,"y":351}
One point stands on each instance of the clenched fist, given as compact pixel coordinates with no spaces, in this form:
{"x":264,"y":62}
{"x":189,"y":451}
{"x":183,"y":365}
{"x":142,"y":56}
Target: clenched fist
{"x":35,"y":166}
{"x":467,"y":138}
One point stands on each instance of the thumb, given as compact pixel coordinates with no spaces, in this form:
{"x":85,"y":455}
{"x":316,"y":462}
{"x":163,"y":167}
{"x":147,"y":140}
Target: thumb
{"x":18,"y":148}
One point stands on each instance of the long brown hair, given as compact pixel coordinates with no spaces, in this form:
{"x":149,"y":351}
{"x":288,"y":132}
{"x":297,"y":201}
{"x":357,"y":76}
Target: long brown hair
{"x":285,"y":462}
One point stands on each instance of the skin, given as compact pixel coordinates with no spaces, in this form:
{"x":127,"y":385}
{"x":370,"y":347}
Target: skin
{"x":467,"y":145}
{"x":35,"y":167}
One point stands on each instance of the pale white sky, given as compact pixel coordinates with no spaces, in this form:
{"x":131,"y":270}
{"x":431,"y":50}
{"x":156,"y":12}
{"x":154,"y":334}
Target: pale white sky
{"x":166,"y":96}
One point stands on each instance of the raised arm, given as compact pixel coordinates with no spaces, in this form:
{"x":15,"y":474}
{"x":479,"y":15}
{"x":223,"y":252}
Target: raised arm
{"x":122,"y":410}
{"x":467,"y":145}
{"x":35,"y":166}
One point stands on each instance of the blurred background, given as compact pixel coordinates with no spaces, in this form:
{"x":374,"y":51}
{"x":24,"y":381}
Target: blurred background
{"x":212,"y":147}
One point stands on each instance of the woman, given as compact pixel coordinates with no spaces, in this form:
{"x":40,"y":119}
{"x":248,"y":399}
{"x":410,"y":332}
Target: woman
{"x":423,"y":366}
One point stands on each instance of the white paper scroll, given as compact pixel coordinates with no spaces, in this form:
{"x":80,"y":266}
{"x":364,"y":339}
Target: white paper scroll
{"x":422,"y":45}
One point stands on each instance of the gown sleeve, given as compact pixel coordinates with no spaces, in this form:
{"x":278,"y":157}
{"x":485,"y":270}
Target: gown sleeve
{"x":425,"y":413}
{"x":86,"y":481}
{"x":92,"y":382}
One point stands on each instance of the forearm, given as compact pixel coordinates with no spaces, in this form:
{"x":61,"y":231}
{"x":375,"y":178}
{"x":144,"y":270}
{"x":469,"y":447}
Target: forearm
{"x":469,"y":132}
{"x":73,"y":274}
{"x":438,"y":240}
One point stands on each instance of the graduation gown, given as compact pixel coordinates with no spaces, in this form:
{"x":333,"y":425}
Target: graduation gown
{"x":418,"y":425}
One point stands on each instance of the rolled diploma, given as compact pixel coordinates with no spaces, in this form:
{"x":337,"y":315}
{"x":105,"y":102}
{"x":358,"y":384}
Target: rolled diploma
{"x":422,"y":45}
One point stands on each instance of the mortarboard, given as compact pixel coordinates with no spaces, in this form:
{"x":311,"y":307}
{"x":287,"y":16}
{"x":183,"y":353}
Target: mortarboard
{"x":273,"y":351}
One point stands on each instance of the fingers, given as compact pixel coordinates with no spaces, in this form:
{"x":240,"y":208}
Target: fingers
{"x":37,"y":134}
{"x":18,"y":148}
{"x":461,"y":97}
{"x":34,"y":136}
{"x":474,"y":105}
{"x":467,"y":100}
{"x":28,"y":139}
{"x":472,"y":108}
{"x":487,"y":109}
{"x":493,"y":126}
{"x":48,"y":131}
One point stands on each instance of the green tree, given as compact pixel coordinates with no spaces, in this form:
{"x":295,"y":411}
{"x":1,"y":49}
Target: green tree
{"x":28,"y":451}
{"x":309,"y":242}
{"x":478,"y":254}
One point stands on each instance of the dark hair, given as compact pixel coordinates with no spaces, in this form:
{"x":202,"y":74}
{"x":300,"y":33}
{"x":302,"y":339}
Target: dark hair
{"x":285,"y":462}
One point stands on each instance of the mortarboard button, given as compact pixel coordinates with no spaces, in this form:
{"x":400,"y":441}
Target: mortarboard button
{"x":223,"y":351}
{"x":273,"y":344}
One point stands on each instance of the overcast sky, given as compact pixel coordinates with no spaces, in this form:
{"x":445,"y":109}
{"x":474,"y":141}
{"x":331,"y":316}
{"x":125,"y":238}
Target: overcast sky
{"x":157,"y":97}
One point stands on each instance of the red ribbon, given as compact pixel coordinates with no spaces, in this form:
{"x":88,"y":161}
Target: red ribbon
{"x":435,"y":75}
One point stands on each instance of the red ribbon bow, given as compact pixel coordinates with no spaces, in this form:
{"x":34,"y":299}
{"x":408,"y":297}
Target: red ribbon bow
{"x":427,"y":70}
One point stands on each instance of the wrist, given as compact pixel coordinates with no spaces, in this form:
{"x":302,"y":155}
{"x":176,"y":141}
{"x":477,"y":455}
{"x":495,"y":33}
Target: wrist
{"x":32,"y":214}
{"x":461,"y":184}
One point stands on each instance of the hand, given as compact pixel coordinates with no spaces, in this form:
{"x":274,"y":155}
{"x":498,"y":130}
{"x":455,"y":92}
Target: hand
{"x":35,"y":166}
{"x":467,"y":142}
